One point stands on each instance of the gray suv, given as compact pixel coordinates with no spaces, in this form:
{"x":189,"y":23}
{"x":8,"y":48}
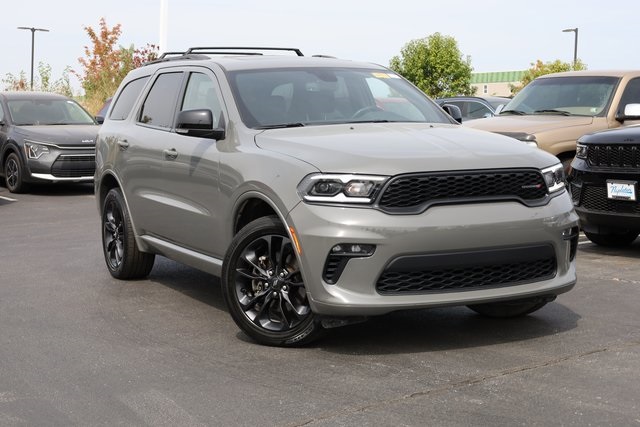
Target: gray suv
{"x":323,"y":191}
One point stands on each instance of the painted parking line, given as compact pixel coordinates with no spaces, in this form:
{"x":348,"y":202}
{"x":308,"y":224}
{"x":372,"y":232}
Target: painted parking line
{"x":8,"y":199}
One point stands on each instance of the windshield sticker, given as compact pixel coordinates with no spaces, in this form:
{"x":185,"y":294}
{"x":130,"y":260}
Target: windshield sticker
{"x":380,"y":75}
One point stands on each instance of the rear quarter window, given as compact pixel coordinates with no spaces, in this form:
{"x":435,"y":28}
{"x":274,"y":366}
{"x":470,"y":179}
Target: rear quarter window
{"x":123,"y":105}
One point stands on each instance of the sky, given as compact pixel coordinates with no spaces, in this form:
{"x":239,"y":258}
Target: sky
{"x":497,"y":35}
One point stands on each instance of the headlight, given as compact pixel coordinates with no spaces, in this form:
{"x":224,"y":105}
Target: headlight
{"x":554,"y":178}
{"x":336,"y":188}
{"x":35,"y":150}
{"x":581,"y":151}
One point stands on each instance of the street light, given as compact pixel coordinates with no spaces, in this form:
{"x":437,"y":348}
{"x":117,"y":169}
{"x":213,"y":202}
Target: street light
{"x":33,"y":33}
{"x":575,"y":47}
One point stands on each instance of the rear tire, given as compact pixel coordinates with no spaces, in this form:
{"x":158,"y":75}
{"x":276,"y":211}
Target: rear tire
{"x":508,"y":309}
{"x":614,"y":240}
{"x":121,"y":253}
{"x":263,"y":287}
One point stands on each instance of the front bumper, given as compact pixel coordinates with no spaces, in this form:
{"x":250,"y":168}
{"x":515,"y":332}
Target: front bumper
{"x":598,"y":213}
{"x":63,"y":165}
{"x":441,"y":230}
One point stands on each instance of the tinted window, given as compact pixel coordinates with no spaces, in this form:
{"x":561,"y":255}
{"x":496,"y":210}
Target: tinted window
{"x":160,"y":106}
{"x":201,"y":93}
{"x":317,"y":96}
{"x":127,"y":98}
{"x":631,"y":94}
{"x":1,"y":113}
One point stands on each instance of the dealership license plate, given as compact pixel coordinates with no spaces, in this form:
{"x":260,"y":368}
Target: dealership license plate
{"x":621,"y":190}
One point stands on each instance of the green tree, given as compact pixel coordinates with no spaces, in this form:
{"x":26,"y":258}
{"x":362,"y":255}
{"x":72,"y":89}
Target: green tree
{"x":436,"y":66}
{"x":42,"y":81}
{"x":106,"y":63}
{"x":539,"y":68}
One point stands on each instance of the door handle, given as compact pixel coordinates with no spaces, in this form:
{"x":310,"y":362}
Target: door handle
{"x":123,"y":143}
{"x":171,"y":154}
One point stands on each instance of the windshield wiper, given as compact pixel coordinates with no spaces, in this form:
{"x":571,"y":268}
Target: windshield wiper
{"x":515,"y":112}
{"x":551,"y":111}
{"x":281,"y":126}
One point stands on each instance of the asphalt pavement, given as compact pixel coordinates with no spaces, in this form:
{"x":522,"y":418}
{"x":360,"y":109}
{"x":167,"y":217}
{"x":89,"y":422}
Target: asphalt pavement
{"x":78,"y":347}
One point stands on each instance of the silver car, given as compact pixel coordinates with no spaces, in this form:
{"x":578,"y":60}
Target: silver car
{"x":323,"y":191}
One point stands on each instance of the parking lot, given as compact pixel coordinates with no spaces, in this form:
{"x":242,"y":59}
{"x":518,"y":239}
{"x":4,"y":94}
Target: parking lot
{"x":78,"y":347}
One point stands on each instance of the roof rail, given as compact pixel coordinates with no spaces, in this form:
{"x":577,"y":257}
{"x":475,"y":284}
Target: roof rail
{"x":241,"y":50}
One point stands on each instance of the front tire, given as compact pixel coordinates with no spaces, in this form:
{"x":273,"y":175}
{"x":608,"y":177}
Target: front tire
{"x":263,"y":287}
{"x":614,"y":240}
{"x":121,"y":253}
{"x":14,"y":174}
{"x":508,"y":309}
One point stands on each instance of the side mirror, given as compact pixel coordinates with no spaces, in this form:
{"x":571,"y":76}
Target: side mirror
{"x":453,"y":111}
{"x":199,"y":123}
{"x":631,"y":112}
{"x":99,"y":119}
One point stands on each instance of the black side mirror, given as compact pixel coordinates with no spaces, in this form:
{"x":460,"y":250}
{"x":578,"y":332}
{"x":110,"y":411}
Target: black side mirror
{"x":199,"y":123}
{"x":99,"y":119}
{"x":453,"y":111}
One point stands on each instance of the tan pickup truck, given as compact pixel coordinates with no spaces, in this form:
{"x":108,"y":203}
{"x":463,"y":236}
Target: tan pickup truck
{"x":554,"y":110}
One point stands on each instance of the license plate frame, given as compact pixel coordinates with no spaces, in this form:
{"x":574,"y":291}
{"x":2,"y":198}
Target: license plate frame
{"x":622,"y":190}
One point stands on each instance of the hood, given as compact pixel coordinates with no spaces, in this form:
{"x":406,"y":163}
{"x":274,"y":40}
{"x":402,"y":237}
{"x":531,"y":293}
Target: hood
{"x":628,"y":135}
{"x":529,"y":124}
{"x":61,"y":135}
{"x":393,"y":148}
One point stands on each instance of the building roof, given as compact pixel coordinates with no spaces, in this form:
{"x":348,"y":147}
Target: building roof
{"x":497,"y":77}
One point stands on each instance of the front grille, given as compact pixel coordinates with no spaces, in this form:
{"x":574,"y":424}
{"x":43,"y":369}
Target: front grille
{"x":74,"y":166}
{"x":470,"y":271}
{"x":595,"y":199}
{"x":410,"y":193}
{"x":613,"y":156}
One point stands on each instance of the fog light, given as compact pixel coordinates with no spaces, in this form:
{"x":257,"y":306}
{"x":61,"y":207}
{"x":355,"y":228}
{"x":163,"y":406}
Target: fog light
{"x":340,"y":255}
{"x":353,"y":249}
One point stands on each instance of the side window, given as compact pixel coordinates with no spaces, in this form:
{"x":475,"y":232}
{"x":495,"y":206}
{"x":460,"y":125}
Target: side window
{"x":127,"y":98}
{"x":478,"y":110}
{"x":201,"y":93}
{"x":160,"y":106}
{"x":1,"y":114}
{"x":631,"y":94}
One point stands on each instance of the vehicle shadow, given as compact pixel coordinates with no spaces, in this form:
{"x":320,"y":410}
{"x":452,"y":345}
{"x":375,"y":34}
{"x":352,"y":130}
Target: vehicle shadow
{"x":400,"y":332}
{"x":591,"y":249}
{"x":444,"y":329}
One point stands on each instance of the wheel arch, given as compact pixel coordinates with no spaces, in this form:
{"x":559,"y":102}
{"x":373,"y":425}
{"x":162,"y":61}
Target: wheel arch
{"x":252,"y":207}
{"x":10,"y":147}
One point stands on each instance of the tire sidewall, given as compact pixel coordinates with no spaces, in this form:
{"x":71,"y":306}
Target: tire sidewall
{"x":20,"y":170}
{"x":116,"y":196}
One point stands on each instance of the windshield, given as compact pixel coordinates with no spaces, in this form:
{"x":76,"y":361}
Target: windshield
{"x":314,"y":96}
{"x":576,"y":95}
{"x":25,"y":112}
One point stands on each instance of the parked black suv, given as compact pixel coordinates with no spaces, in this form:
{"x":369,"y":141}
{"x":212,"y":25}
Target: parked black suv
{"x":45,"y":137}
{"x":604,"y":184}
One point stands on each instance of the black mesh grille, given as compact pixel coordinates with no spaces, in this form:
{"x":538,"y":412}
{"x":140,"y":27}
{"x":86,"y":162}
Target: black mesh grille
{"x":74,"y":166}
{"x":595,"y":199}
{"x":613,"y":156}
{"x":469,"y":278}
{"x":576,"y":192}
{"x":415,"y":192}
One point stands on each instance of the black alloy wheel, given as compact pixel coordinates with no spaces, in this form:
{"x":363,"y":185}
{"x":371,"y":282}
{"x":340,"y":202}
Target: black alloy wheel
{"x":264,"y":289}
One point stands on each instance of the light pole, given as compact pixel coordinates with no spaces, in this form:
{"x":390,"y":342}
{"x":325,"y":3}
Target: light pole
{"x":575,"y":47}
{"x":33,"y":33}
